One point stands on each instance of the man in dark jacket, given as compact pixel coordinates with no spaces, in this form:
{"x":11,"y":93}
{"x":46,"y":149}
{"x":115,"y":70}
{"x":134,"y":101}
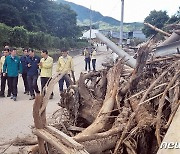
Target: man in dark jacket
{"x":12,"y":67}
{"x":23,"y":60}
{"x":32,"y":73}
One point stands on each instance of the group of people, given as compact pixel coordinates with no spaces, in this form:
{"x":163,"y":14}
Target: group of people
{"x":30,"y":67}
{"x":90,"y":55}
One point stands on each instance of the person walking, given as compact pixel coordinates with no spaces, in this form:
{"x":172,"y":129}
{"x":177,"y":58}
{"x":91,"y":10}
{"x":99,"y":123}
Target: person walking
{"x":65,"y":64}
{"x":4,"y":79}
{"x":87,"y":59}
{"x":93,"y":57}
{"x":12,"y":68}
{"x":32,"y":73}
{"x":23,"y":60}
{"x":46,"y":66}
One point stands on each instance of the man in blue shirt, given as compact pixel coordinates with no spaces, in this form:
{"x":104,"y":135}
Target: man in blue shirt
{"x":32,"y":73}
{"x":12,"y":66}
{"x":23,"y":60}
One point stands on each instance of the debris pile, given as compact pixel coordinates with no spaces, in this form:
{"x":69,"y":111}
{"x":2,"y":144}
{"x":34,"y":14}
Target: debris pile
{"x":124,"y":111}
{"x":118,"y":109}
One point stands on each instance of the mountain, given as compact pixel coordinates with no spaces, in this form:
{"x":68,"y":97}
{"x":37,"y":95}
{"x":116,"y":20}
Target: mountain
{"x":83,"y":14}
{"x":98,"y":20}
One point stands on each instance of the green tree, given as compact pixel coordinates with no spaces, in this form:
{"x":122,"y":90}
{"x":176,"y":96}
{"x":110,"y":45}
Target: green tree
{"x":40,"y":15}
{"x":9,"y":15}
{"x":19,"y":37}
{"x":175,"y":18}
{"x":61,"y":21}
{"x":156,"y":18}
{"x":4,"y":34}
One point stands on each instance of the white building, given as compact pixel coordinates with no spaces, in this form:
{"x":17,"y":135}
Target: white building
{"x":86,"y":35}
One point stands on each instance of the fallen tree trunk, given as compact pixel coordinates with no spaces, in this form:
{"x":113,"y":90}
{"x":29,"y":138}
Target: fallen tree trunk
{"x":157,"y":29}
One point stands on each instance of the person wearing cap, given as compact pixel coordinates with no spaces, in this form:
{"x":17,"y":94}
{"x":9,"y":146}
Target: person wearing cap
{"x":46,"y":66}
{"x":65,"y":65}
{"x":32,"y":73}
{"x":23,"y":60}
{"x":4,"y":79}
{"x":12,"y":68}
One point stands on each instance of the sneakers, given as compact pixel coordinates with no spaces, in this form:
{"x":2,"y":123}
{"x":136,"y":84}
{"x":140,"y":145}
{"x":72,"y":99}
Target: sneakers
{"x":32,"y":97}
{"x":14,"y":98}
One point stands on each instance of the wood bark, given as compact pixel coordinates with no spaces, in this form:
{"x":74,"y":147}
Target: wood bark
{"x":90,"y":105}
{"x":39,"y":121}
{"x":113,"y":78}
{"x":143,"y":118}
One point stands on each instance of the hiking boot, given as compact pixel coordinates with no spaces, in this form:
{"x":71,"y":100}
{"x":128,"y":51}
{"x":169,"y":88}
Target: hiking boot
{"x":32,"y":97}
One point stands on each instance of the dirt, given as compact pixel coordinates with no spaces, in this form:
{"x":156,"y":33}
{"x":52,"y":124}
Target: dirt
{"x":16,"y":117}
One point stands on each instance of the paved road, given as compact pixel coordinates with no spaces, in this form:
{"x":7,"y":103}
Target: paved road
{"x":16,"y":117}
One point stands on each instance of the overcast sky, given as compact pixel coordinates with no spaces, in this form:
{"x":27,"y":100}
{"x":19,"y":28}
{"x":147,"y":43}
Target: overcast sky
{"x":134,"y":10}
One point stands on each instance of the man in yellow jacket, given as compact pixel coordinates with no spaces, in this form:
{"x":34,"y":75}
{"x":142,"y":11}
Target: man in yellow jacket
{"x":65,"y":64}
{"x":46,"y":66}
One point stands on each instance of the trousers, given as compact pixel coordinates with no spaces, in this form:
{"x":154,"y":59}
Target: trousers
{"x":32,"y":82}
{"x":13,"y":81}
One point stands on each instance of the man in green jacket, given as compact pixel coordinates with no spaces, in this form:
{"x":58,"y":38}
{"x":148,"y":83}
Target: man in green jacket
{"x":13,"y":67}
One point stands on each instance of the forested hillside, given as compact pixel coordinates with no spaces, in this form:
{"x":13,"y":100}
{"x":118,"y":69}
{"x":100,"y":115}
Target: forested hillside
{"x":38,"y":24}
{"x":40,"y":15}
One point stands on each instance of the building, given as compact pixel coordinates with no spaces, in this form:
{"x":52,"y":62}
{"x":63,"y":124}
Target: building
{"x":136,"y":34}
{"x":86,"y":35}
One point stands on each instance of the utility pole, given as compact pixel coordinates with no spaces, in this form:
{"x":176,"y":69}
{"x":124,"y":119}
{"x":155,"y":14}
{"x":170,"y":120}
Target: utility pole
{"x":121,"y":23}
{"x":90,"y":23}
